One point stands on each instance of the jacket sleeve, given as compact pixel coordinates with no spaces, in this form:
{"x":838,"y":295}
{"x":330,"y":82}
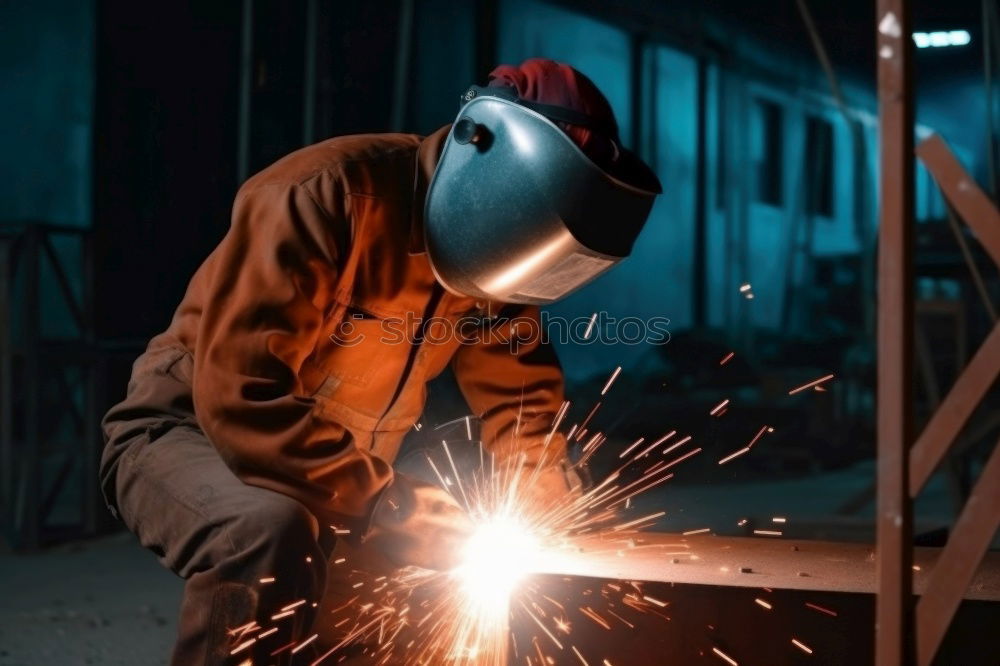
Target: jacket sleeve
{"x":269,"y":290}
{"x":512,"y":380}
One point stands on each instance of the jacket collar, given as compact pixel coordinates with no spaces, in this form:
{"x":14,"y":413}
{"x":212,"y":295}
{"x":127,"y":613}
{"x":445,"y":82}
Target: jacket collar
{"x":428,"y":154}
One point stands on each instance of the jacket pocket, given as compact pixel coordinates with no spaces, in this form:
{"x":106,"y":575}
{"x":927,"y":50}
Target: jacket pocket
{"x":350,"y":351}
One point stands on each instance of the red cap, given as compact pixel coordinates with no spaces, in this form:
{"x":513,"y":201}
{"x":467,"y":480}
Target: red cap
{"x":548,"y":82}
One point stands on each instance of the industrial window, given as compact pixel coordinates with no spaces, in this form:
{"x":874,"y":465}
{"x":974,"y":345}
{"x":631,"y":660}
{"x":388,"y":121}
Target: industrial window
{"x":819,"y":167}
{"x":770,"y":162}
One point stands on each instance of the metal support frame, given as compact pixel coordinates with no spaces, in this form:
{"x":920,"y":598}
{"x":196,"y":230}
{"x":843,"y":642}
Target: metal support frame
{"x":894,"y":520}
{"x":49,"y":437}
{"x":902,"y":635}
{"x":980,"y":517}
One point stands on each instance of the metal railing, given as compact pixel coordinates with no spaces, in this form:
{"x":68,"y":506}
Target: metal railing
{"x":49,"y":369}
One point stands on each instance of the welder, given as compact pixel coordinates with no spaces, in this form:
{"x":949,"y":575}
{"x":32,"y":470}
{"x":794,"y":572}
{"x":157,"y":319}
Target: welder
{"x":259,"y":430}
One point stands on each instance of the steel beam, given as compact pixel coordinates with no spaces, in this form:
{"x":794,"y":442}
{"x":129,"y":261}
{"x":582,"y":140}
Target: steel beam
{"x":971,"y":203}
{"x":967,"y":544}
{"x":756,"y":562}
{"x":893,"y":608}
{"x":955,"y":410}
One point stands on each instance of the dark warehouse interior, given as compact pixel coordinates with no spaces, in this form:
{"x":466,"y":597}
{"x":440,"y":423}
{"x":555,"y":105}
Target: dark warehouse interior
{"x":825,"y":257}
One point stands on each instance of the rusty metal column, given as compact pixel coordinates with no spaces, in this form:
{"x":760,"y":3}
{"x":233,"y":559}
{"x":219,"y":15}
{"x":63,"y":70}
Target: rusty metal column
{"x":894,"y":605}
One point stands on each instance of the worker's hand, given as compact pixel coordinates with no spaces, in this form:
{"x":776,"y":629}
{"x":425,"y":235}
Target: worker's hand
{"x":551,"y":488}
{"x":418,"y":524}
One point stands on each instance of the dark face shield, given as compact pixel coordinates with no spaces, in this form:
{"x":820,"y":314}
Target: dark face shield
{"x":517,"y":213}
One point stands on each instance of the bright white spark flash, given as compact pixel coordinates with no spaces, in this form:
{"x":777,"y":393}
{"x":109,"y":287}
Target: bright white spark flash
{"x":500,"y":553}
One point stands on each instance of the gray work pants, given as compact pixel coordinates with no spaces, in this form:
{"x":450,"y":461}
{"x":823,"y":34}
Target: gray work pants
{"x":228,"y":540}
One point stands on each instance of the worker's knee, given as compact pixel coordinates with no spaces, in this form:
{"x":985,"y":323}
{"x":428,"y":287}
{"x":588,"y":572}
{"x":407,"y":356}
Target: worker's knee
{"x":275,"y":523}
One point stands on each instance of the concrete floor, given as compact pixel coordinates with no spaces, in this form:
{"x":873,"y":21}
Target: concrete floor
{"x":105,"y":602}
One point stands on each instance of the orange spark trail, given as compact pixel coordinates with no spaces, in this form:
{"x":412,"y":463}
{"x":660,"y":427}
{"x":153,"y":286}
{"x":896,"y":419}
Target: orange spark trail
{"x":614,"y":376}
{"x":821,"y":609}
{"x":677,"y":444}
{"x":815,"y":382}
{"x":726,"y":657}
{"x":635,"y":522}
{"x":543,"y":627}
{"x":737,"y":454}
{"x":802,"y":646}
{"x":632,"y":446}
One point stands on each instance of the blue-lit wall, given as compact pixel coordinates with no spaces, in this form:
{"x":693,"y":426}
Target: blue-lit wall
{"x":656,"y":281}
{"x":47,"y":69}
{"x":47,"y":78}
{"x":771,"y":246}
{"x":47,"y":55}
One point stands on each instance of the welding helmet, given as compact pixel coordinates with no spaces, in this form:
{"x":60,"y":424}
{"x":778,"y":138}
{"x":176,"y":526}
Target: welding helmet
{"x":517,"y":213}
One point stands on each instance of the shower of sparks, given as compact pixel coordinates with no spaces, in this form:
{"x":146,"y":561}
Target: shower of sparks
{"x":728,"y":357}
{"x":590,"y":326}
{"x":815,"y":382}
{"x":463,"y":616}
